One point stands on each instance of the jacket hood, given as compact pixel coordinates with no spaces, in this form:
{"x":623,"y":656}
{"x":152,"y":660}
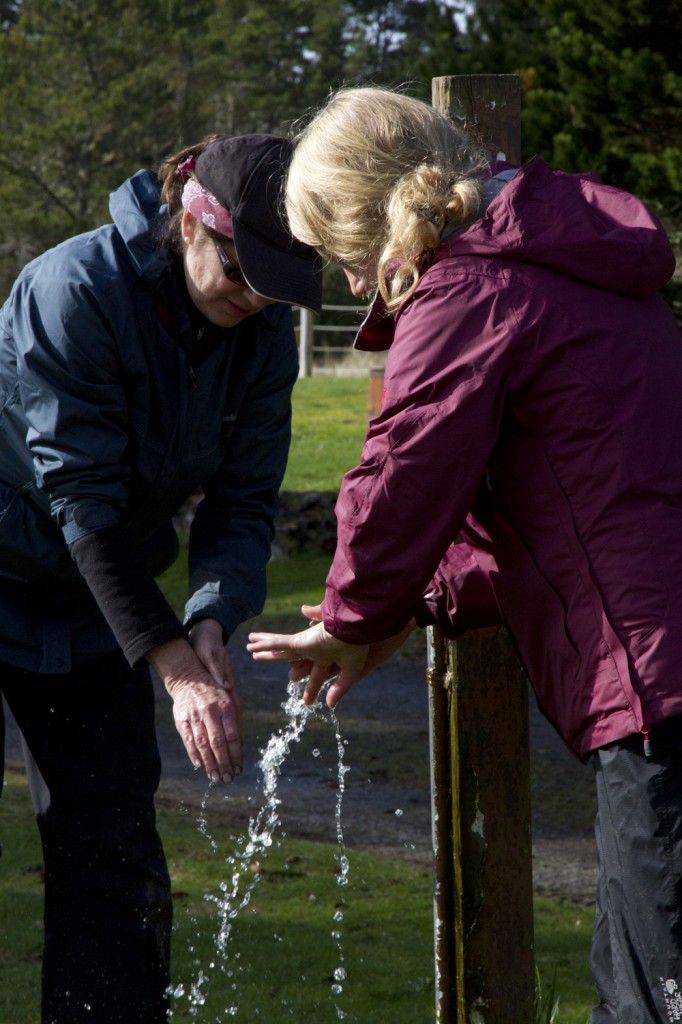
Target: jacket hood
{"x":570,"y":223}
{"x":574,"y":224}
{"x":141,"y":220}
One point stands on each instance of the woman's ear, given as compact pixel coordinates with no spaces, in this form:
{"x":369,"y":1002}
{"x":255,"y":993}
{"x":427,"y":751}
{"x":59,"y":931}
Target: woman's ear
{"x":189,"y":226}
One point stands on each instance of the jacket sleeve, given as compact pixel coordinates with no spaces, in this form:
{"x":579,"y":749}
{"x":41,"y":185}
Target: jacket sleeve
{"x":232,"y":532}
{"x":459,"y":596}
{"x":73,"y":397}
{"x":75,"y":404}
{"x":424,"y":457}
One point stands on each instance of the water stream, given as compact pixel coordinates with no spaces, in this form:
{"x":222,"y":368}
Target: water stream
{"x":264,"y":827}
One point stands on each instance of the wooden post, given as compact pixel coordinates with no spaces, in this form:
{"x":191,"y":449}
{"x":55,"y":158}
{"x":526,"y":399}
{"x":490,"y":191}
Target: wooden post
{"x":484,"y":945}
{"x":487,"y":106}
{"x":447,"y":929}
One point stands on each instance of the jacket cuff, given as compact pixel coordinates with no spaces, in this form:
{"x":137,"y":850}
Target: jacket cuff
{"x":128,"y":597}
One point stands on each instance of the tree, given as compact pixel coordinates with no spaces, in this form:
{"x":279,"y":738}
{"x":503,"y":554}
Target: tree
{"x":89,"y":94}
{"x":620,"y":69}
{"x":603,"y":85}
{"x":92,"y":91}
{"x":401,"y":43}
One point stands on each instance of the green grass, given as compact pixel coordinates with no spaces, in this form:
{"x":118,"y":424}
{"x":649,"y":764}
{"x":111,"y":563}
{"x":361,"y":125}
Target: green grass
{"x":21,"y":900}
{"x":329,"y":424}
{"x":281,"y":954}
{"x":290,"y":584}
{"x":562,"y":941}
{"x":285,"y":946}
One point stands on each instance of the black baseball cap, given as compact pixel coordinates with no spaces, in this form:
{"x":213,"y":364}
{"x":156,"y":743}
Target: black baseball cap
{"x":245,"y":173}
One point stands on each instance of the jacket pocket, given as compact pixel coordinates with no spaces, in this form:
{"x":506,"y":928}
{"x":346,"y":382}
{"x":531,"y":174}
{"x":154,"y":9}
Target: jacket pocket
{"x":31,"y":544}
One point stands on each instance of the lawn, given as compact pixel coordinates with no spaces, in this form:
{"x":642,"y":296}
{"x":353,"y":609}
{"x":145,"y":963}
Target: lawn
{"x":297,"y":929}
{"x":329,"y":422}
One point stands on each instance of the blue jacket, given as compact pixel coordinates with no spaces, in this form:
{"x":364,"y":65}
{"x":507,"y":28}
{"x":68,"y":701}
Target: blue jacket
{"x":110,"y":413}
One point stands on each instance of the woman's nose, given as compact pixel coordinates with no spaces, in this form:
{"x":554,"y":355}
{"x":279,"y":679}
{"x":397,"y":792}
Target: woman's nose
{"x":358,"y":283}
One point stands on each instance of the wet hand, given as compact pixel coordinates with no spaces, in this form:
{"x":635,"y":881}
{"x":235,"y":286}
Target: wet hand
{"x":206,"y":705}
{"x":316,"y":654}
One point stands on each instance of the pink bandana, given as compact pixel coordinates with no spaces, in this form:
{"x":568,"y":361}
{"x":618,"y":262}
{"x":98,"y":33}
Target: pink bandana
{"x":203,"y":205}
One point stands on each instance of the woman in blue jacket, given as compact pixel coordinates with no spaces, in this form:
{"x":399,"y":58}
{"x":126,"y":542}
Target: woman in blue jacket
{"x":138,"y":363}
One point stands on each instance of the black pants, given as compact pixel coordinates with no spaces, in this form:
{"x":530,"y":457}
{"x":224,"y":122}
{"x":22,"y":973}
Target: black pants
{"x":637,"y":942}
{"x":107,"y":890}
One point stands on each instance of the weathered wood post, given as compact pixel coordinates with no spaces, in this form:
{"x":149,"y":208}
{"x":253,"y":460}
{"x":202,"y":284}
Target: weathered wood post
{"x":483,"y":911}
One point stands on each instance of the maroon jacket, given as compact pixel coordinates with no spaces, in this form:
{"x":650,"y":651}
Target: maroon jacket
{"x":533,"y":402}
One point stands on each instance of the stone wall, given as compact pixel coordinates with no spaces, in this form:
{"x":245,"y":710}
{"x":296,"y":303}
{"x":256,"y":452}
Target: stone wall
{"x":306,"y":522}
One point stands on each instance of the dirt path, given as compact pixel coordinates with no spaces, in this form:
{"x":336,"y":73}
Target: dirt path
{"x":386,"y":802}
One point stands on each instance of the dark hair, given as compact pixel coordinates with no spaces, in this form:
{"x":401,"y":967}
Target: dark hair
{"x":172,"y":185}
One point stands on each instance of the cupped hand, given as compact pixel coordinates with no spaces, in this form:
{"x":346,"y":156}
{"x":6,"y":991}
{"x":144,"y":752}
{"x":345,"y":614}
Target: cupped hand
{"x":206,"y":706}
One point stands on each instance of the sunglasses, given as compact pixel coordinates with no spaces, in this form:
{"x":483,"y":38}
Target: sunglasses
{"x":230,"y":269}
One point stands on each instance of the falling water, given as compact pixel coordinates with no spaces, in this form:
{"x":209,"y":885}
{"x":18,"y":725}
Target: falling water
{"x":235,"y":893}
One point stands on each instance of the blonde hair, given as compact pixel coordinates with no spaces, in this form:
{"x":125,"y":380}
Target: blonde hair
{"x":375,"y":177}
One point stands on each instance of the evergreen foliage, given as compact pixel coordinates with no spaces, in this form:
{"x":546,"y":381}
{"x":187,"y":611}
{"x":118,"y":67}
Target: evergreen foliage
{"x":90,"y":92}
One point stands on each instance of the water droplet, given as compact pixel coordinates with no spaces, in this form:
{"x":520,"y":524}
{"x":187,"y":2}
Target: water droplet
{"x":233,"y":893}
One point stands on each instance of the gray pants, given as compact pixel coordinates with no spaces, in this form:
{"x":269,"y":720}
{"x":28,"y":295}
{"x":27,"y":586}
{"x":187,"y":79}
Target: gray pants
{"x":637,"y":943}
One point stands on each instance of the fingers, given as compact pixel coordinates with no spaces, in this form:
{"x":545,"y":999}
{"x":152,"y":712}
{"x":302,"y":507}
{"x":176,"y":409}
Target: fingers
{"x":222,"y":756}
{"x":342,"y":680}
{"x":312,"y":612}
{"x":313,"y":643}
{"x":300,"y":670}
{"x":272,"y":647}
{"x":206,"y":638}
{"x":314,"y":653}
{"x":208,"y":719}
{"x":340,"y":687}
{"x":317,"y":677}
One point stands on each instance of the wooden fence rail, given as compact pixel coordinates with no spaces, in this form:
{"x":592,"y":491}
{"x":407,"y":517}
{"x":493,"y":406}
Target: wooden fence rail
{"x":308,"y":326}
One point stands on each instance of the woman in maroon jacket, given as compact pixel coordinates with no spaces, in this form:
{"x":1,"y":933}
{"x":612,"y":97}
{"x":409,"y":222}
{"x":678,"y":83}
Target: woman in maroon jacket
{"x":532,"y":408}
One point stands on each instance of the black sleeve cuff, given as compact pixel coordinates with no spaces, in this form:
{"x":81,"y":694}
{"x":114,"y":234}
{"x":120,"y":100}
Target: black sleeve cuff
{"x":128,"y":597}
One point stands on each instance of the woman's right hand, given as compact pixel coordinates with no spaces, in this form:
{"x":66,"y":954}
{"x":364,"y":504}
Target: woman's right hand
{"x":206,"y":709}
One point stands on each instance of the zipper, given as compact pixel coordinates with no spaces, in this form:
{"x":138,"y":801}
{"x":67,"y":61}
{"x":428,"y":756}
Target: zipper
{"x":647,"y":741}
